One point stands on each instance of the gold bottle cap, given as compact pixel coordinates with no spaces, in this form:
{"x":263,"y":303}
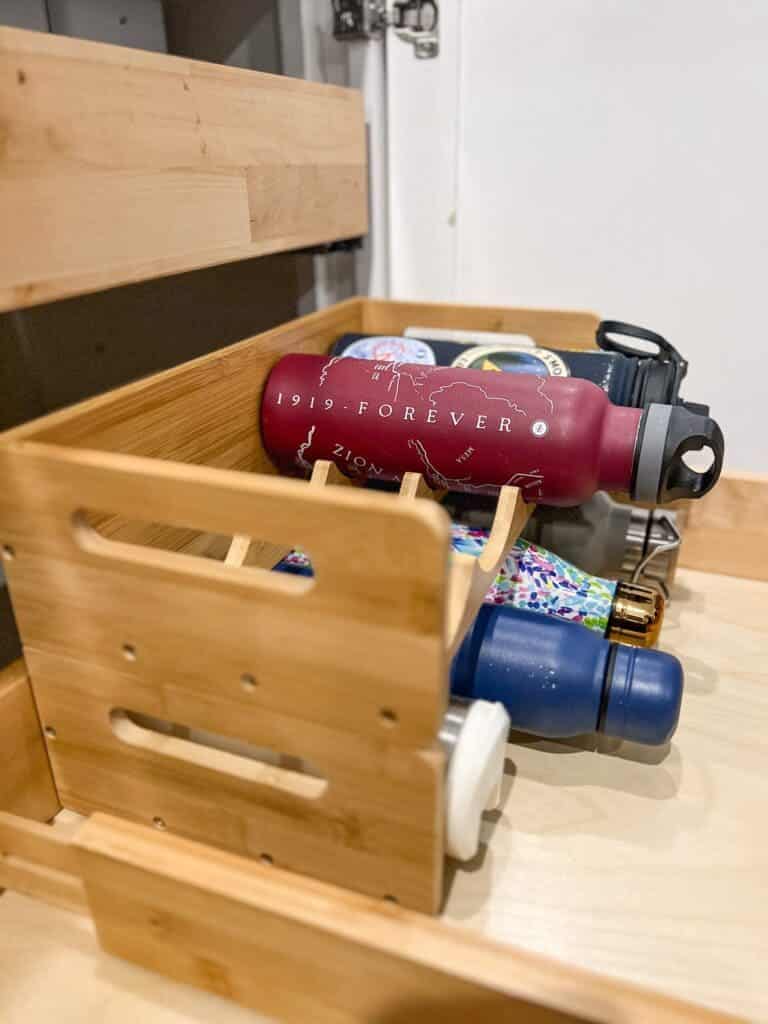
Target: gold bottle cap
{"x":636,"y":615}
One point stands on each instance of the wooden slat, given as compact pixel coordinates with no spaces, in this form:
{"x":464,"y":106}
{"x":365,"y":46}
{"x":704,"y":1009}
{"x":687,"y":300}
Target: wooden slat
{"x":297,"y":949}
{"x":556,"y":328}
{"x":472,"y":576}
{"x":26,"y":783}
{"x":304,"y":951}
{"x":40,"y":883}
{"x":727,"y":531}
{"x":40,"y":862}
{"x":41,"y":845}
{"x":118,"y":165}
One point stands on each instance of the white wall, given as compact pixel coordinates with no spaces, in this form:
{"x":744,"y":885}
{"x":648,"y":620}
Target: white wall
{"x":609,"y":155}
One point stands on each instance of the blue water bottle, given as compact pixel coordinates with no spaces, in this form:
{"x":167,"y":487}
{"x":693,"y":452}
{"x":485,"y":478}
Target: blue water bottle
{"x":557,"y":679}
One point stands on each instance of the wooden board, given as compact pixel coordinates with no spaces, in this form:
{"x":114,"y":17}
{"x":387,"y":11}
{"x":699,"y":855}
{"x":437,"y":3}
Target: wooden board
{"x":225,"y":925}
{"x":52,"y":968}
{"x":26,"y":784}
{"x":300,"y":950}
{"x":41,"y":862}
{"x":280,"y":662}
{"x":118,"y":165}
{"x":727,"y":531}
{"x":570,"y":329}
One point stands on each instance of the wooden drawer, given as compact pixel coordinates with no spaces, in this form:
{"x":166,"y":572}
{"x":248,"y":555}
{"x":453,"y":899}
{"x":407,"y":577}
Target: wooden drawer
{"x":137,"y":528}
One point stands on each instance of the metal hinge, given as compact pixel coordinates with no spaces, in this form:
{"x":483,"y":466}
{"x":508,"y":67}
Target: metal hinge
{"x":413,"y":21}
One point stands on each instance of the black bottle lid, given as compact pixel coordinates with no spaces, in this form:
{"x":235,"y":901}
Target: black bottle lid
{"x":666,"y":433}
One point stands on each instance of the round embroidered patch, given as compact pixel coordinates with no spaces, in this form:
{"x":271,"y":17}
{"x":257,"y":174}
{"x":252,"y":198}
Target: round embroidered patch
{"x":385,"y":349}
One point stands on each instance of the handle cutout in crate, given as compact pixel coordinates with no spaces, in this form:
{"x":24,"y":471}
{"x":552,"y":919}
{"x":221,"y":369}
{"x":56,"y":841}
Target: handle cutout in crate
{"x":238,"y":758}
{"x":329,"y":522}
{"x":183,"y":546}
{"x":244,"y":549}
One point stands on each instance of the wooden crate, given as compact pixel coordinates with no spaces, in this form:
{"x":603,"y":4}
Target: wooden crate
{"x":109,"y":512}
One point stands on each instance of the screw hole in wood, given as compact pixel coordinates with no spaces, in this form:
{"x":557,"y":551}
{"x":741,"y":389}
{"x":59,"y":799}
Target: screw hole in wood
{"x":248,"y":682}
{"x":266,"y":858}
{"x":159,"y":823}
{"x":9,"y":552}
{"x":129,"y":652}
{"x":388,"y":717}
{"x":50,"y":732}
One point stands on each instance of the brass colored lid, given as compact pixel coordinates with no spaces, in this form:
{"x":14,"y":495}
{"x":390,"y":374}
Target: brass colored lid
{"x":636,"y":616}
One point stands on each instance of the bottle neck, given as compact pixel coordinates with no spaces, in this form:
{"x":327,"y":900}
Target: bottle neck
{"x":617,"y":448}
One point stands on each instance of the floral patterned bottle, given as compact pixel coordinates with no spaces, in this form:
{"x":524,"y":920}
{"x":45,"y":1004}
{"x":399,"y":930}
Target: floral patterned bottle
{"x":537,"y":580}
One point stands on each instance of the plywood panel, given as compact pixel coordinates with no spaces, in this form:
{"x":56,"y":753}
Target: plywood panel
{"x":727,"y":531}
{"x":40,"y":861}
{"x":117,"y":165}
{"x":26,"y":784}
{"x":349,"y":676}
{"x":217,"y":922}
{"x":286,"y":945}
{"x":368,"y":823}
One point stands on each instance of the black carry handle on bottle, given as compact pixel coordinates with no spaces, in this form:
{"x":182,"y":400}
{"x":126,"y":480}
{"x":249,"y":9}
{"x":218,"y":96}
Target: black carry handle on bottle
{"x":660,"y":372}
{"x":665,"y":350}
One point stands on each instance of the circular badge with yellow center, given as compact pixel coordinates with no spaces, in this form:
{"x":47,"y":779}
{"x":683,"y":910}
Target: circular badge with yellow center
{"x":513,"y":359}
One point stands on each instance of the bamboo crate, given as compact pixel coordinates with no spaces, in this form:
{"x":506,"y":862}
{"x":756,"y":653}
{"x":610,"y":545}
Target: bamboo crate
{"x":124,"y":522}
{"x":138,"y":529}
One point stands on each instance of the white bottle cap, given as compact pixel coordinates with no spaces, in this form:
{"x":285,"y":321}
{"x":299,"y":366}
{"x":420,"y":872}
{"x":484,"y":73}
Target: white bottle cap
{"x":473,"y":781}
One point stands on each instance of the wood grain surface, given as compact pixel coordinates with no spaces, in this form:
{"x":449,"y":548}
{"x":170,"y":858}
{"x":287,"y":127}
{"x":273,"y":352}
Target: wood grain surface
{"x":643,"y":864}
{"x":26,"y":783}
{"x":118,"y":165}
{"x":277,"y":661}
{"x":303,"y":950}
{"x":573,"y":329}
{"x":39,"y":861}
{"x":727,"y":531}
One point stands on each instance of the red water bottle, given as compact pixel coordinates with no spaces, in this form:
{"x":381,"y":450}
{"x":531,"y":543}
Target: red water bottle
{"x":558,"y":439}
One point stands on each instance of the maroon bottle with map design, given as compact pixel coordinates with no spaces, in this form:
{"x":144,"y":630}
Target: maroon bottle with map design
{"x":558,"y":440}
